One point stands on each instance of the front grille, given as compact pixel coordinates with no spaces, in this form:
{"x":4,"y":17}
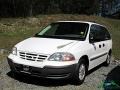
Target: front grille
{"x":32,"y":56}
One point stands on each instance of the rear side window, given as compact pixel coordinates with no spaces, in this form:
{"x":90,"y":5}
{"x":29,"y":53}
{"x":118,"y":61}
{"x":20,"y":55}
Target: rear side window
{"x":100,"y":33}
{"x":106,"y":34}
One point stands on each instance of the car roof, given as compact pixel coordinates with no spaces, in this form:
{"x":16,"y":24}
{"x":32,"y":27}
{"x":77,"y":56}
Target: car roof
{"x":88,"y":22}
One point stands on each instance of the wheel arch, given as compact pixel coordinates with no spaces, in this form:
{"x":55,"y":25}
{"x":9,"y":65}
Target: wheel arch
{"x":110,"y":52}
{"x":86,"y":60}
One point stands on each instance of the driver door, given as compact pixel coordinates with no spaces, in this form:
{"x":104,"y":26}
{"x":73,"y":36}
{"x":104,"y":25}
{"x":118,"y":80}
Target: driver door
{"x":96,"y":49}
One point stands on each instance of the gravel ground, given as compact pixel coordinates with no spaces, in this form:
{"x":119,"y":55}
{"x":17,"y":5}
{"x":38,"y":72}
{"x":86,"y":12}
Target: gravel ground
{"x":100,"y":78}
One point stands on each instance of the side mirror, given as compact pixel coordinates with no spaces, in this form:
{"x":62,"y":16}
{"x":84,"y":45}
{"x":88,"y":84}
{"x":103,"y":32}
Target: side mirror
{"x":91,"y":38}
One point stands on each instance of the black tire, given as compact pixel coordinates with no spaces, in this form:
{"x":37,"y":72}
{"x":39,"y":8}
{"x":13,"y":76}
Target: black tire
{"x":108,"y":60}
{"x":80,"y":73}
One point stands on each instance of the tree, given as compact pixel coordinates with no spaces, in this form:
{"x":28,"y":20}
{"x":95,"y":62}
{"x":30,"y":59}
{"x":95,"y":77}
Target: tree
{"x":16,"y":8}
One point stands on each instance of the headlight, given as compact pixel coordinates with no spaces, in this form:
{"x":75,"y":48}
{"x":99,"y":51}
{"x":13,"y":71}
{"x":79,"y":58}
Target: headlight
{"x":14,"y":51}
{"x":61,"y":56}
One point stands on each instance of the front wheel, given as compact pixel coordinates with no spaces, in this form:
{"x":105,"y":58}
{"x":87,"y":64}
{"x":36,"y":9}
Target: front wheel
{"x":80,"y":73}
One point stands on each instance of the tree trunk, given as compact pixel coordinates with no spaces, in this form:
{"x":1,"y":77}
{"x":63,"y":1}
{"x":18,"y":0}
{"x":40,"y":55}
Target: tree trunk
{"x":14,"y":7}
{"x":31,"y":8}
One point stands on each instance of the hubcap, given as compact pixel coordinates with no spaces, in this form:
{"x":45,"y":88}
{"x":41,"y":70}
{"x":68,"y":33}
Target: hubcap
{"x":108,"y":59}
{"x":82,"y":72}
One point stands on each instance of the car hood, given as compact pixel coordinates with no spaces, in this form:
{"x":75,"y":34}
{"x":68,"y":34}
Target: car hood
{"x":45,"y":45}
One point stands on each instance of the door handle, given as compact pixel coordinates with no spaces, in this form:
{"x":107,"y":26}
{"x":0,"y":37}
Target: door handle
{"x":103,"y":45}
{"x":99,"y":46}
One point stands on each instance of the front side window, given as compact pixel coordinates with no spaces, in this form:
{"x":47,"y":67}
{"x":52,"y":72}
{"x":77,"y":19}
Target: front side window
{"x":99,"y":33}
{"x":95,"y":32}
{"x":66,"y":30}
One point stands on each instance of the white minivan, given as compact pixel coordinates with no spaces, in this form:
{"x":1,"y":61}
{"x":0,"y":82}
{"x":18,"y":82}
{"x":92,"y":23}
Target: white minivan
{"x":63,"y":49}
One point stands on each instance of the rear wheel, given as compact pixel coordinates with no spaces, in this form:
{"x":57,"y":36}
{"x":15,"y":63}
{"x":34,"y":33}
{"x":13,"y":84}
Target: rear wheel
{"x":108,"y":60}
{"x":80,"y":73}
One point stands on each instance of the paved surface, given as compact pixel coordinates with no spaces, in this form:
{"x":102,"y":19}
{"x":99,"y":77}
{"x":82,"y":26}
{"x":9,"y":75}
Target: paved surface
{"x":101,"y":78}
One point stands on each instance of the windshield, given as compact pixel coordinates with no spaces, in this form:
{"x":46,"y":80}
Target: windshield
{"x":65,"y":30}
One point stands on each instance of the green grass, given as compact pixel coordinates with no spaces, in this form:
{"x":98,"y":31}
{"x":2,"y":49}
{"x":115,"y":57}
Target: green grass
{"x":2,"y":57}
{"x":13,"y":30}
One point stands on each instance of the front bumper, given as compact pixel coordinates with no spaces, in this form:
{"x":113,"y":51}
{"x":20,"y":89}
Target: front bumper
{"x":55,"y":72}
